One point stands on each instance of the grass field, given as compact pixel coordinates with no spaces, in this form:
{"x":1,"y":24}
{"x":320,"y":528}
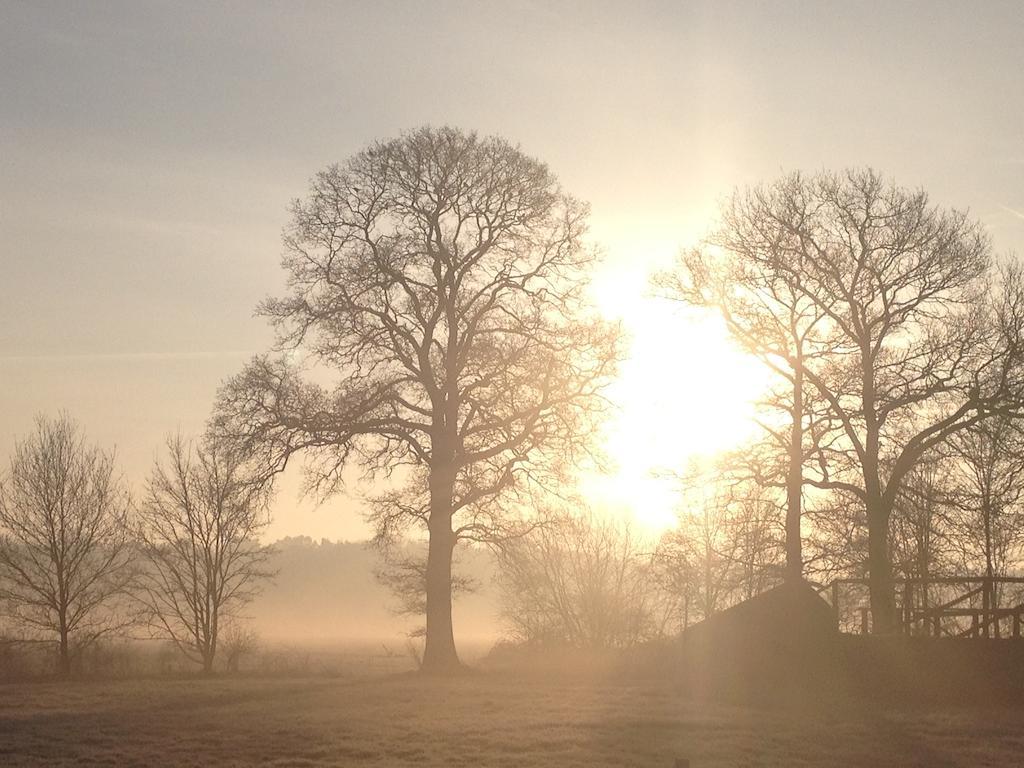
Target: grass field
{"x":477,"y":720}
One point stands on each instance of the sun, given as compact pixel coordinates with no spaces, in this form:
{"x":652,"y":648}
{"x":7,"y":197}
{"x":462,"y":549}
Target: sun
{"x":684,"y":392}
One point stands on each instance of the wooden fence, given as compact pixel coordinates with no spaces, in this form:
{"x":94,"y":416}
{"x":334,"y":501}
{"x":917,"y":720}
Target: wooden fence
{"x":946,"y":606}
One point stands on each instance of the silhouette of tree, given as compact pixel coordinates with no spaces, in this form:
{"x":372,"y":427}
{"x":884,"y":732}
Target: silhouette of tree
{"x":199,"y":530}
{"x":64,"y":541}
{"x":986,"y":475}
{"x":920,"y":534}
{"x":442,"y":277}
{"x":925,"y":332}
{"x":727,"y":547}
{"x":237,"y":642}
{"x":581,"y":582}
{"x":768,"y":314}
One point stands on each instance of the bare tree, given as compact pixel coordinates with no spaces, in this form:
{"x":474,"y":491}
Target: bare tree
{"x":986,"y":470}
{"x":442,"y":277}
{"x":64,"y":542}
{"x":199,"y":528}
{"x":237,"y":642}
{"x":768,"y":315}
{"x":579,"y":581}
{"x":926,"y":336}
{"x":919,"y":531}
{"x":728,"y":546}
{"x":837,"y":545}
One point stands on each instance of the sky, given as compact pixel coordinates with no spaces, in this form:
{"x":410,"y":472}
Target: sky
{"x":148,"y":151}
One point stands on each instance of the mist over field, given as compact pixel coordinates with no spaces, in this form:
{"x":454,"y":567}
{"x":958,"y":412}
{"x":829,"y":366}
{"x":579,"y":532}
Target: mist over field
{"x":326,"y":593}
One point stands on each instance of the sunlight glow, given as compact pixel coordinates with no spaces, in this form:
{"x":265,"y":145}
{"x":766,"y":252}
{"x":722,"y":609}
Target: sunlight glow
{"x":684,"y":393}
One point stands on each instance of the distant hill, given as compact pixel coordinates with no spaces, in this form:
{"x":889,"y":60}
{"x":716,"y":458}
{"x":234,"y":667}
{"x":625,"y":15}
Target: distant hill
{"x":326,"y":591}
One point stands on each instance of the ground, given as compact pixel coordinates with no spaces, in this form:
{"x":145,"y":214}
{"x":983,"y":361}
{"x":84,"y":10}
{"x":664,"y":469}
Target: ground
{"x":477,"y":720}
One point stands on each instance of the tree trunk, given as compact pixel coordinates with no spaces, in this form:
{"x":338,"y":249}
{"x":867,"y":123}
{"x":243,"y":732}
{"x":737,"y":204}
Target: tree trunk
{"x":880,"y":585}
{"x":63,"y":654}
{"x":878,"y":506}
{"x":64,"y":646}
{"x":439,"y":654}
{"x":987,"y":513}
{"x":794,"y":484}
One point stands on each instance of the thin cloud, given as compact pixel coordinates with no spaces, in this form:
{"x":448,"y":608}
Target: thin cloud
{"x":1014,"y":211}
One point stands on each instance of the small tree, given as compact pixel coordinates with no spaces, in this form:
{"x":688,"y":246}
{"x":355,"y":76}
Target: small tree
{"x":64,"y":542}
{"x":987,"y":494}
{"x":837,"y":544}
{"x":919,"y":533}
{"x":730,"y":548}
{"x":581,"y":582}
{"x":199,"y":529}
{"x":237,"y":642}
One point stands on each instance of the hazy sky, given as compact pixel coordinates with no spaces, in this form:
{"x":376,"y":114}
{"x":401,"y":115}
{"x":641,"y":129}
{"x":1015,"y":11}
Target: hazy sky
{"x":148,"y":152}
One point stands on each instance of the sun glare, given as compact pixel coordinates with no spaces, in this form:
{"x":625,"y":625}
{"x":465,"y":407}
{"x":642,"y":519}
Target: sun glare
{"x":684,"y":393}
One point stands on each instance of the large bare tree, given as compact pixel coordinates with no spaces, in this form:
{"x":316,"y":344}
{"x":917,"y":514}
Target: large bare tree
{"x":199,"y":528}
{"x":442,"y":277}
{"x":926,"y":333}
{"x":768,"y":315}
{"x":64,"y":541}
